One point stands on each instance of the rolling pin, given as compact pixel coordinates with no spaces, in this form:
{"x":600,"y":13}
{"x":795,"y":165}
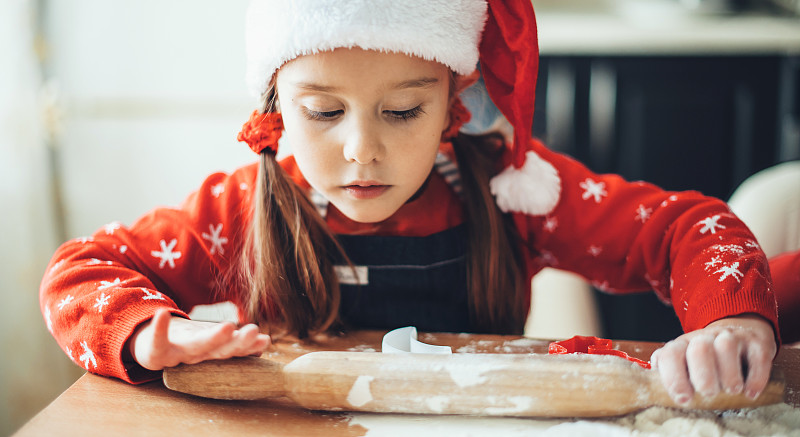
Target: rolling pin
{"x":523,"y":385}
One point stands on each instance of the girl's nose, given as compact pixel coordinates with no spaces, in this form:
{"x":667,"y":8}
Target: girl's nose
{"x":363,"y":144}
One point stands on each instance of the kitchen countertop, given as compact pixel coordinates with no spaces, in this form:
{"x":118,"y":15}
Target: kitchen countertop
{"x":659,"y":27}
{"x":96,"y":405}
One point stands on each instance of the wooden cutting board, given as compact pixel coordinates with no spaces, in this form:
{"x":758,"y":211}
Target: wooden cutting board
{"x":534,"y":385}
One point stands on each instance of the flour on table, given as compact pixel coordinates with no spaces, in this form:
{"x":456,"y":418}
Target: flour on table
{"x":775,"y":420}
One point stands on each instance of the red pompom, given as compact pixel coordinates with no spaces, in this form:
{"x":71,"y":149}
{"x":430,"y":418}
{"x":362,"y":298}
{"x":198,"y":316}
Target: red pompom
{"x":262,"y":131}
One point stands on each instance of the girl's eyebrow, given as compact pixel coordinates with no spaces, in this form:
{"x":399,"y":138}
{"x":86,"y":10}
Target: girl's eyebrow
{"x":423,"y":82}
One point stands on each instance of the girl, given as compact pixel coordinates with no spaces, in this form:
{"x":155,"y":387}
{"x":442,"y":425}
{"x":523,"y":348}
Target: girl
{"x":387,"y":216}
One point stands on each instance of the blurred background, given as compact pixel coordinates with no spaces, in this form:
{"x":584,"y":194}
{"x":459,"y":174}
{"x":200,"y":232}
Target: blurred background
{"x":110,"y":108}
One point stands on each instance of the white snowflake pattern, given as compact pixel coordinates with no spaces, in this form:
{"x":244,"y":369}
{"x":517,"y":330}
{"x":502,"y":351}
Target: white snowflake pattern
{"x":550,"y":224}
{"x":56,"y":266}
{"x":218,"y":189}
{"x":643,"y":213}
{"x":594,"y":250}
{"x":710,"y":224}
{"x":732,"y":271}
{"x":713,"y":262}
{"x":108,"y":284}
{"x":123,"y":249}
{"x":593,"y":189}
{"x":671,"y":198}
{"x":750,"y":244}
{"x":95,"y":261}
{"x":65,"y":301}
{"x":729,"y":249}
{"x":69,"y":353}
{"x":101,"y":302}
{"x":150,"y":296}
{"x":166,"y":254}
{"x":111,"y":227}
{"x":548,"y":258}
{"x":215,"y":239}
{"x":47,"y":319}
{"x":243,"y":186}
{"x":87,"y":356}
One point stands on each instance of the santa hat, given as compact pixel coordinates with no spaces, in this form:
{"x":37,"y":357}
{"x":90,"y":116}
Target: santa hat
{"x":501,"y":34}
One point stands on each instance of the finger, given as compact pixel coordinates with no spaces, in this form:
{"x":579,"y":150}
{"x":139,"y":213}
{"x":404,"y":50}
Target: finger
{"x":256,"y":342}
{"x":246,"y":335}
{"x":728,"y":350}
{"x":241,"y":341}
{"x":160,"y":323}
{"x":249,"y":341}
{"x":654,"y":359}
{"x":759,"y":364}
{"x":151,"y":348}
{"x":261,"y":345}
{"x":263,"y":341}
{"x":160,"y":326}
{"x":208,"y":342}
{"x":671,"y":360}
{"x":701,"y":360}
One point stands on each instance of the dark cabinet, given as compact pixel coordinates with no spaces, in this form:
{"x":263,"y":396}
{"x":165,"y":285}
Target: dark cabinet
{"x":681,"y":122}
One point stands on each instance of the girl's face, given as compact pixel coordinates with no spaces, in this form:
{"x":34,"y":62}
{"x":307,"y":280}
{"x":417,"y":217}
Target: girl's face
{"x":364,"y":126}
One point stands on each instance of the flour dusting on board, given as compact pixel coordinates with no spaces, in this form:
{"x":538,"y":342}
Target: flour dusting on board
{"x":360,"y":394}
{"x":775,"y":420}
{"x":465,"y":370}
{"x":466,"y":373}
{"x":437,"y":404}
{"x":513,"y":405}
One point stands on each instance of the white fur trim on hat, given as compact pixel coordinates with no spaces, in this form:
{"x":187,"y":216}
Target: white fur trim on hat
{"x":277,"y":31}
{"x":534,"y":189}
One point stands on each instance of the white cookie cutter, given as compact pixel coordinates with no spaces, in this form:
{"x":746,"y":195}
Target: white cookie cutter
{"x":404,"y":340}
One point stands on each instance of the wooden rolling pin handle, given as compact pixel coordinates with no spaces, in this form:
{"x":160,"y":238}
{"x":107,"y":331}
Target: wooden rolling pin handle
{"x":242,"y":378}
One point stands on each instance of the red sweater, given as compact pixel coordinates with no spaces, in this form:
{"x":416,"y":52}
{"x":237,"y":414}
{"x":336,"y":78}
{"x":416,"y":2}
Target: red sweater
{"x":622,"y":236}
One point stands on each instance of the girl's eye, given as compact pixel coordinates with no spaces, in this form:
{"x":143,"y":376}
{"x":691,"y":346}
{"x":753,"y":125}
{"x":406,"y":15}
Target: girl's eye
{"x":407,"y":114}
{"x":322,"y":115}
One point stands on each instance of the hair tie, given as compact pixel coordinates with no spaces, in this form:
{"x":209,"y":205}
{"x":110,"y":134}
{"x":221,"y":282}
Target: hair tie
{"x":459,"y":116}
{"x":262,"y":131}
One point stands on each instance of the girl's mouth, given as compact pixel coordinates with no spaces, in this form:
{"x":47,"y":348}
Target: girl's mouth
{"x":365,"y":191}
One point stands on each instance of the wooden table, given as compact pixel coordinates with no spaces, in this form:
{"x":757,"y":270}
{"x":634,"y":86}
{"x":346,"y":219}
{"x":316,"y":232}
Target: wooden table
{"x":96,"y":405}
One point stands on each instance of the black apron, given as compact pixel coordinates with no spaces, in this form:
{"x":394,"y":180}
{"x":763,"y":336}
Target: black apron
{"x":406,"y":281}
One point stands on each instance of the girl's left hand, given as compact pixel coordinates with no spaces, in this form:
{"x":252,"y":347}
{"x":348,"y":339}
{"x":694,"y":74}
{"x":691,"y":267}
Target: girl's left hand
{"x":715,"y":358}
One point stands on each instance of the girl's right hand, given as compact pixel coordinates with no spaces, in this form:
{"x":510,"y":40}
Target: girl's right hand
{"x":167,"y":341}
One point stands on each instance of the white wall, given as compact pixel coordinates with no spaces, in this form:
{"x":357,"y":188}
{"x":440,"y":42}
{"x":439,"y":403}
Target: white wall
{"x":149,"y":97}
{"x":153,"y":97}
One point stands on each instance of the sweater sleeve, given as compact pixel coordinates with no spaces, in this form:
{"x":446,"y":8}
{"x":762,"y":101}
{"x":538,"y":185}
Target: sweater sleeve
{"x":98,"y":289}
{"x":632,"y":236}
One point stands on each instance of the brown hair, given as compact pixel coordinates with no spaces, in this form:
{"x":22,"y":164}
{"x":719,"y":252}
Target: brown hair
{"x":495,"y":278}
{"x":286,"y":264}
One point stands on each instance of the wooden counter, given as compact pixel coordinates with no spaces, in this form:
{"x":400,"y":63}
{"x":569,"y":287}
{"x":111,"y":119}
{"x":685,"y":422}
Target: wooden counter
{"x":96,"y":405}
